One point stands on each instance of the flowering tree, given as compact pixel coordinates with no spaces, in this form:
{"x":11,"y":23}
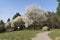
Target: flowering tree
{"x":35,"y":13}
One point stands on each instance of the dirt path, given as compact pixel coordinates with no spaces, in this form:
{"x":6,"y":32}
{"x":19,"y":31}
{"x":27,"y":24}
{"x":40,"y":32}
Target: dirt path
{"x":42,"y":36}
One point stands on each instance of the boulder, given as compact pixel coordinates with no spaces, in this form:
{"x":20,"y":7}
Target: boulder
{"x":45,"y":28}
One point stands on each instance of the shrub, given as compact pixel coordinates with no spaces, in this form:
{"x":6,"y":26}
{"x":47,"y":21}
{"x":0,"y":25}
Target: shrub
{"x":52,"y":21}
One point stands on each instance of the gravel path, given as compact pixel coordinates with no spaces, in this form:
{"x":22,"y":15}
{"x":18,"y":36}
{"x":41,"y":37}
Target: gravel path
{"x":42,"y":36}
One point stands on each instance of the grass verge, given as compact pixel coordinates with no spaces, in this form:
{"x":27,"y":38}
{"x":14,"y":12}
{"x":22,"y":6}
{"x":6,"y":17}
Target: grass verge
{"x":55,"y":33}
{"x":19,"y":35}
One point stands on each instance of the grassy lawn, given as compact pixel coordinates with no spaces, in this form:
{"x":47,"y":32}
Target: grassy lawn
{"x":19,"y":35}
{"x":55,"y":33}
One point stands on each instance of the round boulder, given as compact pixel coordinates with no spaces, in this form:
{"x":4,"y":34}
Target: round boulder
{"x":45,"y":28}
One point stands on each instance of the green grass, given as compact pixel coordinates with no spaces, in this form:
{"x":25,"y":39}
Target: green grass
{"x":19,"y":35}
{"x":55,"y":33}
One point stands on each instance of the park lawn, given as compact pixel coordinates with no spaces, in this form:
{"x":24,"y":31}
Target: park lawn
{"x":54,"y":33}
{"x":19,"y":35}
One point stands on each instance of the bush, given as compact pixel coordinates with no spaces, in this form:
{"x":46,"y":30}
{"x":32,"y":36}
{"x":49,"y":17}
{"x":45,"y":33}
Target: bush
{"x":52,"y":21}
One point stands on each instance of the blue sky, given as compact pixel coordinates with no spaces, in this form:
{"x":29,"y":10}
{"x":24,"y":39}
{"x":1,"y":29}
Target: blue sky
{"x":8,"y":8}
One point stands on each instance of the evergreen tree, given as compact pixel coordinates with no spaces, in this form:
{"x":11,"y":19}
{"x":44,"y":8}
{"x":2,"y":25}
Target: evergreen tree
{"x":17,"y":14}
{"x":1,"y":22}
{"x":49,"y":12}
{"x":58,"y":8}
{"x":8,"y":20}
{"x":2,"y":28}
{"x":58,"y":0}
